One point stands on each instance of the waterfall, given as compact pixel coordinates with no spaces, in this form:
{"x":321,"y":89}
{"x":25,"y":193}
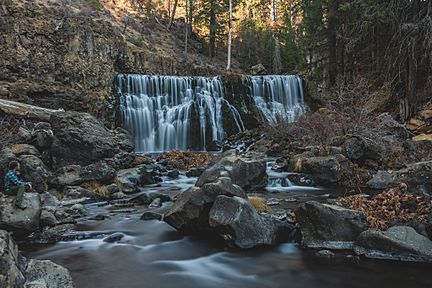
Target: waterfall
{"x":171,"y":112}
{"x":278,"y":97}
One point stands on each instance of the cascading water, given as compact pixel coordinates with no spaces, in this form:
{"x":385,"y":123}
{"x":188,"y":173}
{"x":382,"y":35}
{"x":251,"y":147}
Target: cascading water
{"x":278,"y":97}
{"x":161,"y":111}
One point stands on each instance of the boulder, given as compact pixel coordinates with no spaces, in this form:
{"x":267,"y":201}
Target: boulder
{"x":327,"y":169}
{"x":42,"y":135}
{"x":416,"y":175}
{"x":127,"y":180}
{"x":248,"y":172}
{"x":124,"y":139}
{"x":6,"y":156}
{"x":73,"y":175}
{"x":359,"y":149}
{"x":80,"y":139}
{"x":47,"y":219}
{"x":149,"y":215}
{"x":48,"y":273}
{"x":36,"y":172}
{"x":195,"y":172}
{"x":238,"y":223}
{"x":190,"y":212}
{"x":20,"y":222}
{"x":258,"y":69}
{"x":397,"y":243}
{"x":24,"y":149}
{"x":10,"y":267}
{"x":326,"y":226}
{"x":77,"y":192}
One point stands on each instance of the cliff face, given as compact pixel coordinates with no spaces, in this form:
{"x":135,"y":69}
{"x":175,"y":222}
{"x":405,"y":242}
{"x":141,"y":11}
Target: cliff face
{"x":62,"y":54}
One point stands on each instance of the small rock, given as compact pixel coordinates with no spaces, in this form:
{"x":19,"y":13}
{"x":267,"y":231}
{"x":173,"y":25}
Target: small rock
{"x":118,"y":195}
{"x":325,"y":254}
{"x":151,"y":216}
{"x":114,"y":237}
{"x":195,"y":172}
{"x":273,"y":201}
{"x":47,"y":219}
{"x":156,"y":203}
{"x":173,"y":174}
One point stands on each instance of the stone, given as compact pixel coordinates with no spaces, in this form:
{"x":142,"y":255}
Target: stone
{"x":77,"y":192}
{"x":325,"y":254}
{"x":73,"y":175}
{"x":80,"y":139}
{"x":118,"y":195}
{"x":50,"y":201}
{"x":258,"y":69}
{"x":10,"y":270}
{"x":124,"y":139}
{"x":115,"y":237}
{"x":238,"y":223}
{"x":195,"y":172}
{"x":327,"y":169}
{"x":248,"y":172}
{"x":24,"y":149}
{"x":35,"y":171}
{"x":149,"y":215}
{"x":414,"y":175}
{"x":53,"y":275}
{"x":156,"y":203}
{"x":6,"y":156}
{"x":326,"y":226}
{"x":42,"y":135}
{"x":20,"y":222}
{"x":127,"y":180}
{"x":173,"y":174}
{"x":360,"y":148}
{"x":47,"y":219}
{"x":397,"y":243}
{"x":112,"y":188}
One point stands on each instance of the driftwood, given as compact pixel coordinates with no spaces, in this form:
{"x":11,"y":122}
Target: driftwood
{"x":27,"y":111}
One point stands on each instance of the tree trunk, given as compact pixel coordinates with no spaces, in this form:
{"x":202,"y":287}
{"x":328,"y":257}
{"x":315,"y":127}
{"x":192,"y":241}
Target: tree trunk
{"x":212,"y":40}
{"x":27,"y":111}
{"x":331,"y":35}
{"x":173,"y":14}
{"x":229,"y":35}
{"x":186,"y":27}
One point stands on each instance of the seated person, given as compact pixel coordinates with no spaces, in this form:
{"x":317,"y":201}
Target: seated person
{"x":14,"y":185}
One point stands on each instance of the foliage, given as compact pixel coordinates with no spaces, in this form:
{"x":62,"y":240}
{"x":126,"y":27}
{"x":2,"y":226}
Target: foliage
{"x":391,"y":207}
{"x":9,"y":128}
{"x":186,"y":159}
{"x":259,"y":204}
{"x":97,"y":187}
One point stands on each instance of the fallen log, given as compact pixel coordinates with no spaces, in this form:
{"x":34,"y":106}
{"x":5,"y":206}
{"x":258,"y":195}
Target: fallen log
{"x":27,"y":111}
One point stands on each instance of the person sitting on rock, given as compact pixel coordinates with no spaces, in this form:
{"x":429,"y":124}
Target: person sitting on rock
{"x":14,"y":185}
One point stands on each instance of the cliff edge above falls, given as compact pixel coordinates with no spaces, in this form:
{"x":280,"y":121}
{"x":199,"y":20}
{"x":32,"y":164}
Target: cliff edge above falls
{"x":60,"y":55}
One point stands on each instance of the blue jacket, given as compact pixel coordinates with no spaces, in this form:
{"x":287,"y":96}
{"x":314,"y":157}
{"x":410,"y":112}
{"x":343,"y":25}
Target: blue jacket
{"x":11,"y":179}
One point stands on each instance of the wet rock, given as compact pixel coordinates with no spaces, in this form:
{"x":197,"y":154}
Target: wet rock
{"x":80,"y":139}
{"x":52,"y":235}
{"x":20,"y":222}
{"x":360,"y":148}
{"x":49,"y":273}
{"x":195,"y":172}
{"x":151,"y":216}
{"x":397,"y":243}
{"x":149,"y":174}
{"x":35,"y":171}
{"x":173,"y":174}
{"x":328,"y":169}
{"x":238,"y":223}
{"x":98,"y":217}
{"x":50,"y":201}
{"x":156,"y":203}
{"x":127,"y":180}
{"x":328,"y":226}
{"x":112,"y":188}
{"x":77,"y":192}
{"x":118,"y":195}
{"x":273,"y":201}
{"x":418,"y":176}
{"x":247,"y":172}
{"x":47,"y":219}
{"x":146,"y":198}
{"x":325,"y":254}
{"x":10,"y":270}
{"x":114,"y":238}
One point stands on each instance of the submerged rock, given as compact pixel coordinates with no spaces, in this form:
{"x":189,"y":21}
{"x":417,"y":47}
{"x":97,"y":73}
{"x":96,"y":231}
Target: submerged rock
{"x":114,"y":237}
{"x":20,"y":222}
{"x":149,"y":215}
{"x":238,"y":223}
{"x":397,"y":243}
{"x":329,"y":226}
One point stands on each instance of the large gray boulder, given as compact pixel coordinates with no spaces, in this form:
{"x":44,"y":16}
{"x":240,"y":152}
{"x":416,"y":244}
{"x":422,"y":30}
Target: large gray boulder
{"x":359,"y":149}
{"x":129,"y":180}
{"x":328,"y":169}
{"x":47,"y":273}
{"x":42,"y":135}
{"x":73,"y":175}
{"x":10,"y":262}
{"x":36,"y":172}
{"x":397,"y":243}
{"x":416,"y":175}
{"x":238,"y":223}
{"x":247,"y":172}
{"x":20,"y":222}
{"x":80,"y":139}
{"x":190,"y":212}
{"x":326,"y":226}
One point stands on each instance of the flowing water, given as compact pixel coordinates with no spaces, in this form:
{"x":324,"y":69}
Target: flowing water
{"x":152,"y":254}
{"x":160,"y":111}
{"x":280,"y":98}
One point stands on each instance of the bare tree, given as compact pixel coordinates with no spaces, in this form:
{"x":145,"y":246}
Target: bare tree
{"x":173,"y":14}
{"x":229,"y":35}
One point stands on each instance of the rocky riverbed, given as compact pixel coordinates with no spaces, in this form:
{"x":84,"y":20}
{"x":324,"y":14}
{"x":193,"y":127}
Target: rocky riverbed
{"x":96,"y":203}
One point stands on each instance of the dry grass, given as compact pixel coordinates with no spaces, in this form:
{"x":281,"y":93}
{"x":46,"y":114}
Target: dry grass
{"x":97,"y":187}
{"x":187,"y":159}
{"x":259,"y":204}
{"x":394,"y":205}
